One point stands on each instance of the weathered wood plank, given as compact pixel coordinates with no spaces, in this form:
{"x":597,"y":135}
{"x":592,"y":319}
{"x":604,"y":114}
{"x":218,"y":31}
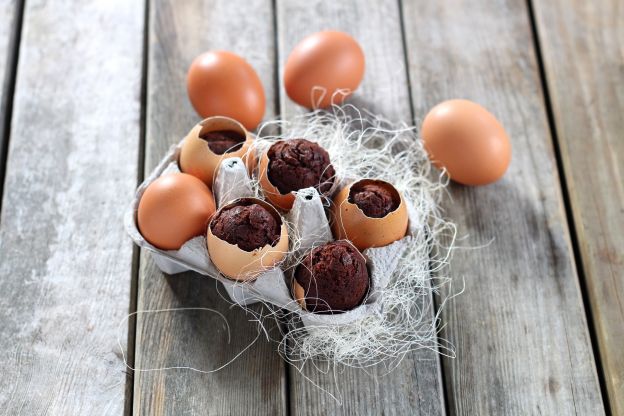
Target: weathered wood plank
{"x":582,"y":53}
{"x":414,"y":388}
{"x":65,"y":274}
{"x":9,"y":27}
{"x":255,"y":382}
{"x":519,"y":328}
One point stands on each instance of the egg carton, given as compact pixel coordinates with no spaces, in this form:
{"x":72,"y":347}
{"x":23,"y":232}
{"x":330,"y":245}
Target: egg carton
{"x":307,"y":217}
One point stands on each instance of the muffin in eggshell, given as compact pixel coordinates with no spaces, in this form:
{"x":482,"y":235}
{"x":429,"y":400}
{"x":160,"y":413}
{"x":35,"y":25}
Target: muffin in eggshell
{"x":246,"y":237}
{"x":291,"y":165}
{"x":331,"y":278}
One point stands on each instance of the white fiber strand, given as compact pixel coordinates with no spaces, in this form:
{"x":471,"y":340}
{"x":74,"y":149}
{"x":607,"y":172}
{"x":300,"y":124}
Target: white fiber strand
{"x":362,"y":145}
{"x":404,"y":316}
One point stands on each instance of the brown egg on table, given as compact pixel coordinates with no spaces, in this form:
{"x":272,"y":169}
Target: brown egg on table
{"x":321,"y":65}
{"x":466,"y":140}
{"x":211,"y":141}
{"x":246,"y":237}
{"x":331,"y":278}
{"x":173,"y":209}
{"x":369,"y":213}
{"x":220,"y":83}
{"x":294,"y":164}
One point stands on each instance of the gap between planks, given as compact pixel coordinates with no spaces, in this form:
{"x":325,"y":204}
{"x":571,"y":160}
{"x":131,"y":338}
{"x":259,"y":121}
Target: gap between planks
{"x":7,"y":90}
{"x":136,"y":251}
{"x":582,"y":64}
{"x":567,"y":204}
{"x":415,"y":386}
{"x":178,"y":32}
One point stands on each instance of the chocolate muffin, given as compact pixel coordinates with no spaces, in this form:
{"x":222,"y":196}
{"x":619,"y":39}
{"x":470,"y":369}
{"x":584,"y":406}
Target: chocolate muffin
{"x":333,"y":277}
{"x":224,"y":141}
{"x":376,"y":200}
{"x":250,"y":226}
{"x":298,"y":164}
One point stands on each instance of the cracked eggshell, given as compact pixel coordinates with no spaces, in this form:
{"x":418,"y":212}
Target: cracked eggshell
{"x":298,"y":293}
{"x":351,"y":223}
{"x":282,"y":201}
{"x":196,"y":157}
{"x":241,"y":265}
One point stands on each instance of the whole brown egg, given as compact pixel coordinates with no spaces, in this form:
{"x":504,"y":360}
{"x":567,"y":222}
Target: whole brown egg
{"x":321,"y":65}
{"x":221,"y":83}
{"x":466,"y":140}
{"x":173,"y":209}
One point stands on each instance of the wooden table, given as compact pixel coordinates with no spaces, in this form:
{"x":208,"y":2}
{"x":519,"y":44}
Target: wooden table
{"x":92,"y":95}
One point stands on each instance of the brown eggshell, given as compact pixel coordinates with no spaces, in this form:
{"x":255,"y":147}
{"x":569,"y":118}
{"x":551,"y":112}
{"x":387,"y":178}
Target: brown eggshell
{"x":173,"y":209}
{"x":468,"y":141}
{"x":350,"y":222}
{"x":220,"y":83}
{"x":196,"y":157}
{"x":330,"y":60}
{"x":241,"y":265}
{"x":299,"y":294}
{"x":282,"y":201}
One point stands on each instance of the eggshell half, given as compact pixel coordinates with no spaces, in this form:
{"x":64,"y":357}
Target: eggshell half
{"x":241,"y":265}
{"x":350,"y":222}
{"x":196,"y":157}
{"x":282,"y":201}
{"x":299,"y":294}
{"x":173,"y":209}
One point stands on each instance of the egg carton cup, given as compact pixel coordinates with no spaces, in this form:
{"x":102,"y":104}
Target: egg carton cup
{"x":307,"y":221}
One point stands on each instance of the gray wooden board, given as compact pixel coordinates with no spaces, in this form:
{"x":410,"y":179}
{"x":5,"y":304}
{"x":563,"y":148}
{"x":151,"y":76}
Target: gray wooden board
{"x":8,"y":32}
{"x":519,"y":327}
{"x":414,"y":387}
{"x":72,"y":166}
{"x":255,"y":382}
{"x":582,"y":50}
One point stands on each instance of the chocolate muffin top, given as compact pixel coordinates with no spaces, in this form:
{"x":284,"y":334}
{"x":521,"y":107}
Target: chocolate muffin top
{"x":374,"y":199}
{"x":250,"y":226}
{"x":298,"y":164}
{"x":224,"y":141}
{"x":334,"y":277}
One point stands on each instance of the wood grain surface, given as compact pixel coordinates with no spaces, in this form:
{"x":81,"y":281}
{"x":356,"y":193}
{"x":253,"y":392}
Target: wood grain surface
{"x":66,"y":263}
{"x":414,"y":388}
{"x":9,"y":33}
{"x":582,"y":48}
{"x":85,"y":109}
{"x":519,"y":327}
{"x":255,"y":382}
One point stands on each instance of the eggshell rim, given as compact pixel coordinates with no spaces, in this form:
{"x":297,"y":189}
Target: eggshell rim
{"x":283,"y":201}
{"x":296,"y":287}
{"x":204,"y":126}
{"x":402,"y":207}
{"x":350,"y":185}
{"x":298,"y":294}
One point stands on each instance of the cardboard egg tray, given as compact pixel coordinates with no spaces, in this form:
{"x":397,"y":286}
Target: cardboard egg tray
{"x":307,"y":217}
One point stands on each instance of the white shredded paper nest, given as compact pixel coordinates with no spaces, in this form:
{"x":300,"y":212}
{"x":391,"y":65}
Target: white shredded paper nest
{"x":398,"y":315}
